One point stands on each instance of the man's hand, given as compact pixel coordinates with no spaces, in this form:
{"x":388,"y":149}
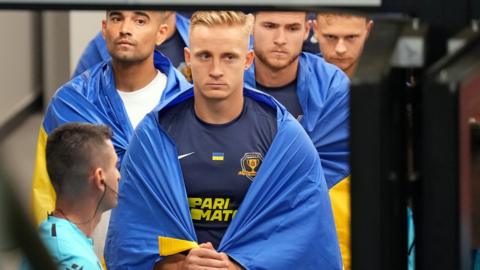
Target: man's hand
{"x":232,"y":265}
{"x":205,"y":257}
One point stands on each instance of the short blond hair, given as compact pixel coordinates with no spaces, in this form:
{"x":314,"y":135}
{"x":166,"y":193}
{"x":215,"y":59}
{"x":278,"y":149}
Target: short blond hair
{"x":222,"y":18}
{"x":331,"y":15}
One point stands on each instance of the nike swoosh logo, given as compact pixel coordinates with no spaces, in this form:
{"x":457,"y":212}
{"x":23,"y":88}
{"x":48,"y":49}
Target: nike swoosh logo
{"x":185,"y":155}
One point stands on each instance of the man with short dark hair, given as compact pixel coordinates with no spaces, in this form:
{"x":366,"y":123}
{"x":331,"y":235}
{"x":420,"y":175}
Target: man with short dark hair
{"x":117,"y":93}
{"x":315,"y":92}
{"x":341,"y":37}
{"x":176,"y":40}
{"x":81,"y":162}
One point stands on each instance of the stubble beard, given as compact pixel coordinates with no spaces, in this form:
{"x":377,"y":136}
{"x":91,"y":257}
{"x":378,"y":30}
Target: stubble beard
{"x":273,"y":67}
{"x":128,"y":60}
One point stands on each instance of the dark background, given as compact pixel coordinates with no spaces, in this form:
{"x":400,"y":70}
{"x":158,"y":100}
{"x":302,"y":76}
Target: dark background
{"x":445,"y":18}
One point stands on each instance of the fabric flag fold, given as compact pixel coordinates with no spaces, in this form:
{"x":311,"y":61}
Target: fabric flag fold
{"x":93,"y":98}
{"x":284,"y":222}
{"x":323,"y":93}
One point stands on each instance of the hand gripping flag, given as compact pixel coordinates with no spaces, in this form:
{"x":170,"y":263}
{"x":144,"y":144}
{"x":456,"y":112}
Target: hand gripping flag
{"x":284,"y":222}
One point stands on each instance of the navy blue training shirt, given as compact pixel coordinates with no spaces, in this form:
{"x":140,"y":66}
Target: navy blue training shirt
{"x":219,"y":162}
{"x":287,"y":95}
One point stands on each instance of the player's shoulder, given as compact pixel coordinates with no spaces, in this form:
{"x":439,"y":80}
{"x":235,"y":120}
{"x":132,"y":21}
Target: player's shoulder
{"x":261,"y":108}
{"x":175,"y":112}
{"x":68,"y":246}
{"x":324,"y":75}
{"x":86,"y":83}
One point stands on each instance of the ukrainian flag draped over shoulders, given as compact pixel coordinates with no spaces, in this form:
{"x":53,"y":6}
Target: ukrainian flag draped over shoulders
{"x":284,"y":222}
{"x":323,"y":93}
{"x":90,"y":97}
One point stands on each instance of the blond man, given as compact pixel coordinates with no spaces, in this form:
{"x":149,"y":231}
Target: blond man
{"x":228,"y":178}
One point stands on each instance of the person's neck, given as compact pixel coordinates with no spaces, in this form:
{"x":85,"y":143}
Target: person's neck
{"x":219,"y":112}
{"x":83,"y":214}
{"x":275,"y":78}
{"x":130,"y":77}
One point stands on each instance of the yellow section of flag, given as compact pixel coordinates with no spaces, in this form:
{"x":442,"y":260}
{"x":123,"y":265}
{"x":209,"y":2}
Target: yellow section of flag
{"x":168,"y":246}
{"x":43,"y":194}
{"x":340,"y":199}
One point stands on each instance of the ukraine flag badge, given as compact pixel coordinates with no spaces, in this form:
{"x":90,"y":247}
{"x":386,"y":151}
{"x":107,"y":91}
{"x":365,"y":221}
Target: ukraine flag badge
{"x":217,"y":156}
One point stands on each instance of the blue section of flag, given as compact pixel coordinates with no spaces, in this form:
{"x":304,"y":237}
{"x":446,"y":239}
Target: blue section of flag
{"x":323,"y":93}
{"x":92,"y":97}
{"x":274,"y":229}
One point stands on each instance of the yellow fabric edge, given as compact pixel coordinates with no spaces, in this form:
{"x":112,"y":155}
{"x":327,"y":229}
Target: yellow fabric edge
{"x":169,"y":246}
{"x":340,"y":200}
{"x":43,"y":194}
{"x":104,"y":264}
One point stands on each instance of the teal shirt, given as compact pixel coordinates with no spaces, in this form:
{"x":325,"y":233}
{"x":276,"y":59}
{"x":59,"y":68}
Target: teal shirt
{"x":411,"y":239}
{"x":68,"y":245}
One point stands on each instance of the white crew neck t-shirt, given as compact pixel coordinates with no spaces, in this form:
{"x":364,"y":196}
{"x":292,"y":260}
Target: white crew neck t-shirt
{"x":140,"y":102}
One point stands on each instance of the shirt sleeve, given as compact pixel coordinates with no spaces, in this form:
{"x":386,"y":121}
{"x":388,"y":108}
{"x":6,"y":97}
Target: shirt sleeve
{"x":79,"y":263}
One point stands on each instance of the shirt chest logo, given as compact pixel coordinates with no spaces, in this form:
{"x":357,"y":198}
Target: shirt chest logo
{"x":250,"y":163}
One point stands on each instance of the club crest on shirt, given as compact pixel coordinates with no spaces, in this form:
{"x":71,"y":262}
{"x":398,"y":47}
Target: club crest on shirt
{"x":250,"y":163}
